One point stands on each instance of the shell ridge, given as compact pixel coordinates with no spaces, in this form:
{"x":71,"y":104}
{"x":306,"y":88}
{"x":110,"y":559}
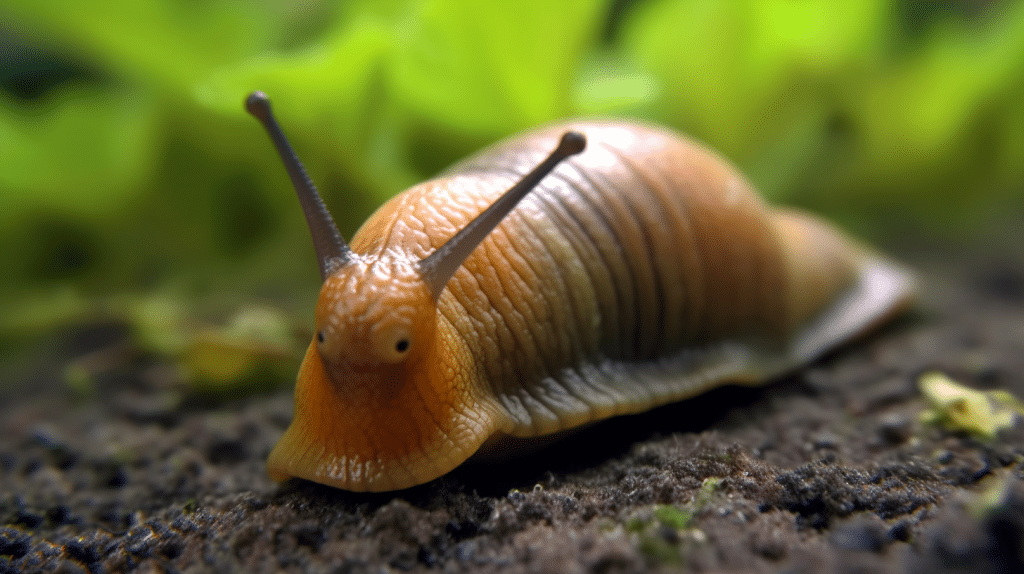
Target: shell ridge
{"x":624,"y":293}
{"x":649,"y":310}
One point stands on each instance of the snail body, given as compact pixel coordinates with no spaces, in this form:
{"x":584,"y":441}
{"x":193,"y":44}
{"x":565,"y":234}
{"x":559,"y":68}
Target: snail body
{"x":637,"y":272}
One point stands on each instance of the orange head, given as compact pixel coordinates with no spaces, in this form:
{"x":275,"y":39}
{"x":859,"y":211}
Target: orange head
{"x":372,"y":409}
{"x":383,"y":399}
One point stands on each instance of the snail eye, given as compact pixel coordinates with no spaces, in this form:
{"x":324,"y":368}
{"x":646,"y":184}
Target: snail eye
{"x":394,"y":344}
{"x":327,"y":345}
{"x":402,"y":345}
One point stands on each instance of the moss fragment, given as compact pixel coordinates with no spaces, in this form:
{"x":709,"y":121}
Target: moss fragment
{"x":665,"y":532}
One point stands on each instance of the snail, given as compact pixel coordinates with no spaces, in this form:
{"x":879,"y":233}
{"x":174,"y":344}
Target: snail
{"x":629,"y":269}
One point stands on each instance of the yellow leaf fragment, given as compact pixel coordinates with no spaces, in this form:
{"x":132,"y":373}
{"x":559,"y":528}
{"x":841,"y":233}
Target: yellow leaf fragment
{"x":960,"y":408}
{"x":257,"y":343}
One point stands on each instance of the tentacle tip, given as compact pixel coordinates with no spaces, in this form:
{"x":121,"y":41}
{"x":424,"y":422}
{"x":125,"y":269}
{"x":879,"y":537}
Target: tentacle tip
{"x":257,"y":104}
{"x":572,"y":143}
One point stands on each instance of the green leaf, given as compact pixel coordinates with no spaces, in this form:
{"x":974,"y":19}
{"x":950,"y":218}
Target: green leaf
{"x":485,"y":68}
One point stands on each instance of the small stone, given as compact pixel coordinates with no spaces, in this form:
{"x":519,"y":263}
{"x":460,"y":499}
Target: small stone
{"x":859,"y":534}
{"x":895,"y":430}
{"x":900,"y":531}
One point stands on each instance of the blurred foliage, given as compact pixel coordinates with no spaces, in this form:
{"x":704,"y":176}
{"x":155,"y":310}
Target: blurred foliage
{"x":128,"y":163}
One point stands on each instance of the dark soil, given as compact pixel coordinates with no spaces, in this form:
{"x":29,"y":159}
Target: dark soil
{"x":826,"y":471}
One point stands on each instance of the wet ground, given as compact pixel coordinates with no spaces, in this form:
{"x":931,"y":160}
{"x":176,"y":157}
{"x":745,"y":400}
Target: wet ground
{"x":829,"y":470}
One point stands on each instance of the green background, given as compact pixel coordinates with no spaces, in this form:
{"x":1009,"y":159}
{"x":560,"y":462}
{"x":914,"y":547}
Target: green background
{"x":128,"y":166}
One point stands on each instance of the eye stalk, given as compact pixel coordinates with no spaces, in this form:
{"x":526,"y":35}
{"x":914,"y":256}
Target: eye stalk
{"x":439,"y":266}
{"x":331,"y":250}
